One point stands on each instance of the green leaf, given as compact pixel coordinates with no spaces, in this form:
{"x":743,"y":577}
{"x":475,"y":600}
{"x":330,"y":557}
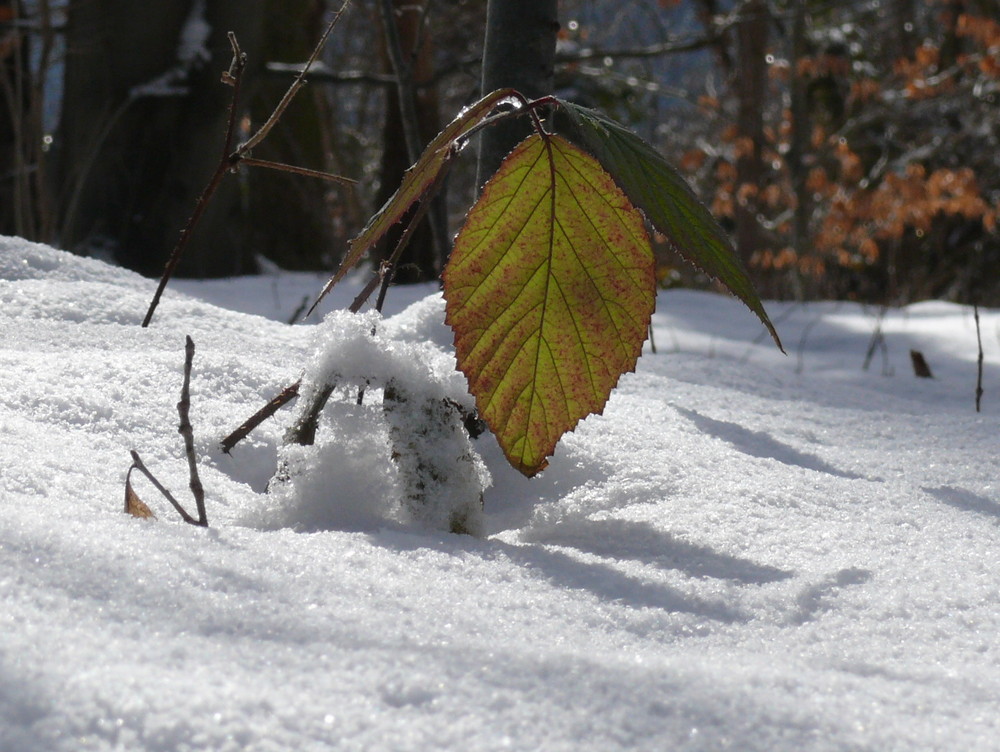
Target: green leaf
{"x":550,"y":288}
{"x":667,"y":200}
{"x":419,"y":182}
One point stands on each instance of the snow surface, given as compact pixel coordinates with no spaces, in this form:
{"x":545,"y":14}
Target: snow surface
{"x":746,"y":551}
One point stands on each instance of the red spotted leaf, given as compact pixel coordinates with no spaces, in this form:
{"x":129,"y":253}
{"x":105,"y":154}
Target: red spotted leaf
{"x":550,"y":288}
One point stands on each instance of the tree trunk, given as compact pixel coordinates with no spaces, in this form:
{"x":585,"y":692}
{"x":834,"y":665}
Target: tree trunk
{"x":519,"y":52}
{"x":751,"y":88}
{"x":27,"y":40}
{"x":132,"y":166}
{"x":799,"y":144}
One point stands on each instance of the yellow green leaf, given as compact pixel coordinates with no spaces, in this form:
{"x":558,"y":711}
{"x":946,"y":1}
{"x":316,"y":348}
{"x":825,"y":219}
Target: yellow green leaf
{"x":668,"y":202}
{"x":549,"y":289}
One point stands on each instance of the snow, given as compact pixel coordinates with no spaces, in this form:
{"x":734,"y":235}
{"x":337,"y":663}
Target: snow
{"x":746,"y":551}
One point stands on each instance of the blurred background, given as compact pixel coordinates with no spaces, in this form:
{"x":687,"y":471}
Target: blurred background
{"x":850,"y":148}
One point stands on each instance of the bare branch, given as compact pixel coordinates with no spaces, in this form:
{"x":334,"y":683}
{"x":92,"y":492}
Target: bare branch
{"x":286,"y":395}
{"x":138,"y":465}
{"x":183,"y":409}
{"x":979,"y":377}
{"x":298,"y":83}
{"x":233,"y":77}
{"x":230,"y":159}
{"x":252,"y":162}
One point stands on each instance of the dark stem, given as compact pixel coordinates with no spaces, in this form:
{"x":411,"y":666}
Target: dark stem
{"x":183,"y":409}
{"x":298,"y":83}
{"x":979,"y":376}
{"x":138,"y":465}
{"x":303,"y":431}
{"x":234,"y":78}
{"x":406,"y":93}
{"x":231,"y":159}
{"x":252,"y":162}
{"x":287,"y":394}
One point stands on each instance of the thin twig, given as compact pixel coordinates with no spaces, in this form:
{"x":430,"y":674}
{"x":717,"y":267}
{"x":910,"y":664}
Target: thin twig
{"x":369,"y":288}
{"x":303,"y":431}
{"x":407,"y":96}
{"x":138,"y":465}
{"x":185,"y":429}
{"x":287,"y":394}
{"x":233,"y":77}
{"x":404,"y":81}
{"x":979,"y":376}
{"x":298,"y":83}
{"x":231,"y":159}
{"x":253,"y":162}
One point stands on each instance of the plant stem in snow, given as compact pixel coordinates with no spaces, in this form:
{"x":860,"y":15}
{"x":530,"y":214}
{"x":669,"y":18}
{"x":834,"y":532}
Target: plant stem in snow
{"x":138,"y":465}
{"x":287,"y":395}
{"x":183,"y":409}
{"x":979,"y":377}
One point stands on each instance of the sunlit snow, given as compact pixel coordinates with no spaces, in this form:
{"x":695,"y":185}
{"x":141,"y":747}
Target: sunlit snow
{"x":746,"y":551}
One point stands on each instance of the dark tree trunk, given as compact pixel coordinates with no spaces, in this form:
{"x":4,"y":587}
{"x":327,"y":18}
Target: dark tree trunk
{"x":519,"y":52}
{"x":26,"y":51}
{"x":751,"y":88}
{"x":133,"y":166}
{"x":14,"y":104}
{"x":799,"y":142}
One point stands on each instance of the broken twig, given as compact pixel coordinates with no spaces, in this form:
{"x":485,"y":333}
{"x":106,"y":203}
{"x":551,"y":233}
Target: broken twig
{"x":287,"y":395}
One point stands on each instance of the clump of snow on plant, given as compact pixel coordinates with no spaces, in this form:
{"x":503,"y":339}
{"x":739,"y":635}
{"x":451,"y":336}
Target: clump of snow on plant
{"x":401,"y":455}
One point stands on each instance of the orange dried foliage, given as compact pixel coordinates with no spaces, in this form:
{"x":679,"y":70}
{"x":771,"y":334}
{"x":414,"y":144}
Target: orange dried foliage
{"x":722,"y":204}
{"x":901,"y":202}
{"x":851,"y":169}
{"x":725,"y":171}
{"x":864,"y":90}
{"x":744,"y":147}
{"x":779,"y":70}
{"x":984,"y":31}
{"x":745,"y":193}
{"x":773,"y":196}
{"x":818,"y":181}
{"x":693,"y":160}
{"x":818,"y":137}
{"x":708,"y":103}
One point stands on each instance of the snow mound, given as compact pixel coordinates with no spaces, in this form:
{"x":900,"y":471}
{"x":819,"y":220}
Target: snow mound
{"x":744,"y":552}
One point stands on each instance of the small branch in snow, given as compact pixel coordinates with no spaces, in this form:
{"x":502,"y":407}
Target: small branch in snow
{"x":979,"y":376}
{"x":183,"y":409}
{"x":878,"y":343}
{"x":137,"y":464}
{"x":303,"y":431}
{"x":133,"y":505}
{"x":920,"y":368}
{"x":287,"y":395}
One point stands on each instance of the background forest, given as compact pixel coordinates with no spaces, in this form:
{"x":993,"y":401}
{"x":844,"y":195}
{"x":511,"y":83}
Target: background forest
{"x":849,"y":147}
